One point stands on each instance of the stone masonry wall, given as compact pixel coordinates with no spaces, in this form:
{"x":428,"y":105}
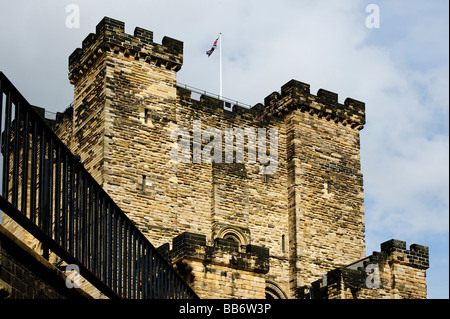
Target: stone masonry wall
{"x":88,"y":125}
{"x":326,"y":210}
{"x":138,"y":134}
{"x":140,"y":109}
{"x":221,"y":270}
{"x":239,"y":196}
{"x":26,"y":275}
{"x":393,"y":273}
{"x":328,"y":194}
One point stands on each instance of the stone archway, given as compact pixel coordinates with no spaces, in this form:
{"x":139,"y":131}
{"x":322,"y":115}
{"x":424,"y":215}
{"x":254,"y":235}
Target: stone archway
{"x":273,"y":291}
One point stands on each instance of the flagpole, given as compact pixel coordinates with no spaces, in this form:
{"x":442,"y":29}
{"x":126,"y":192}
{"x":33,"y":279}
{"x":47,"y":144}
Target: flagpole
{"x":220,"y":72}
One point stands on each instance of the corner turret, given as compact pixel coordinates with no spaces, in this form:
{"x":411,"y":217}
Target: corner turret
{"x":395,"y":273}
{"x":296,"y":95}
{"x":110,"y":36}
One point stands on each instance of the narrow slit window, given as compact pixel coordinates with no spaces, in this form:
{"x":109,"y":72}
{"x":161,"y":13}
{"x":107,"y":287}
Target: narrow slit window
{"x":144,"y":183}
{"x":146,"y":115}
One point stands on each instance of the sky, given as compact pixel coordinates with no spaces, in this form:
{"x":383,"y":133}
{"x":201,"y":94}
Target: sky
{"x":391,"y":54}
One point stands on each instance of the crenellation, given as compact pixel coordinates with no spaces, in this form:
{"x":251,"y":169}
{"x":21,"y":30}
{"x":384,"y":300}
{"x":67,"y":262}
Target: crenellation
{"x":295,"y":88}
{"x":110,"y":36}
{"x":89,"y":40}
{"x":173,"y":46}
{"x":225,"y":252}
{"x":109,"y":24}
{"x":226,"y":244}
{"x":296,"y":95}
{"x":144,"y":35}
{"x":207,"y":101}
{"x":393,"y":245}
{"x":327,"y":97}
{"x":393,"y":273}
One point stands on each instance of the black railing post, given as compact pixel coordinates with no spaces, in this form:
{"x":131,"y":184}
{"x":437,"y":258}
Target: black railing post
{"x":16,"y":154}
{"x":25,"y":157}
{"x":58,"y":196}
{"x":6,"y":138}
{"x":34,"y":163}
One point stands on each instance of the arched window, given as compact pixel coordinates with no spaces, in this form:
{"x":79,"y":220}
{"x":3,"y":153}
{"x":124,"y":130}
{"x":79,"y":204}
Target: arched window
{"x":233,"y":233}
{"x":232,"y":236}
{"x":273,"y":291}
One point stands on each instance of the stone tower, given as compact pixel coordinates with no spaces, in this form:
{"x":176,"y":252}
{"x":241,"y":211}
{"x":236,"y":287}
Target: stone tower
{"x":325,"y":184}
{"x":238,"y":215}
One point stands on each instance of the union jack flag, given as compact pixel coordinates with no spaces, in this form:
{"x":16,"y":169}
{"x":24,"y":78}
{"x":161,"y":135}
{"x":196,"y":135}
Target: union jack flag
{"x":209,"y":52}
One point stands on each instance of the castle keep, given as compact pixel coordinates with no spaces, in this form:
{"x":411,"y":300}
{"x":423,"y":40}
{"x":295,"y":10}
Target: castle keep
{"x":228,"y":226}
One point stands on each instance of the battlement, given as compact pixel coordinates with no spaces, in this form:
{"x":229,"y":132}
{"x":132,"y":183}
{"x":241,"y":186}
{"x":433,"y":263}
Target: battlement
{"x":110,"y":36}
{"x":372,"y":276}
{"x":207,"y":101}
{"x":416,"y":256}
{"x":224,"y":252}
{"x":296,"y":95}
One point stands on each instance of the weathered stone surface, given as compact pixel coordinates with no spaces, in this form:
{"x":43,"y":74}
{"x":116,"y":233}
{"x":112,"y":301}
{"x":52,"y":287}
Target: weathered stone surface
{"x":306,"y":217}
{"x":393,"y":273}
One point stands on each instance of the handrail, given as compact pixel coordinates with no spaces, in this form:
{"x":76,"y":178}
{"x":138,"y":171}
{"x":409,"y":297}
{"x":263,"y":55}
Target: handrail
{"x":216,"y":96}
{"x":47,"y":191}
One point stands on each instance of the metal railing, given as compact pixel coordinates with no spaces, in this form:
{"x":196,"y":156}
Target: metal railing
{"x":47,"y":191}
{"x":228,"y":102}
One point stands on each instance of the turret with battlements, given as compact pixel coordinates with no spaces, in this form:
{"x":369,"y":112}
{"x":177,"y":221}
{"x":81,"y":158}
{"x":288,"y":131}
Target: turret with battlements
{"x":393,"y":273}
{"x":110,"y":37}
{"x":296,"y":95}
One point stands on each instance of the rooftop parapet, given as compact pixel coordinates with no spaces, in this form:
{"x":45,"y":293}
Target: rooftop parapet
{"x":416,"y":256}
{"x":224,"y":106}
{"x":110,"y":36}
{"x":224,"y":252}
{"x":360,"y":274}
{"x":296,"y":95}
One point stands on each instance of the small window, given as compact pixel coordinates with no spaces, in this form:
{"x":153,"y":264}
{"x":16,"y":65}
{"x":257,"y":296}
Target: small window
{"x":143,"y":183}
{"x":266,"y":176}
{"x":146,"y":116}
{"x":233,"y":233}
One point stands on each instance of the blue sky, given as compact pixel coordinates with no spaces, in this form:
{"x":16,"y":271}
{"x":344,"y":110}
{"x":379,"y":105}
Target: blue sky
{"x":400,"y":70}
